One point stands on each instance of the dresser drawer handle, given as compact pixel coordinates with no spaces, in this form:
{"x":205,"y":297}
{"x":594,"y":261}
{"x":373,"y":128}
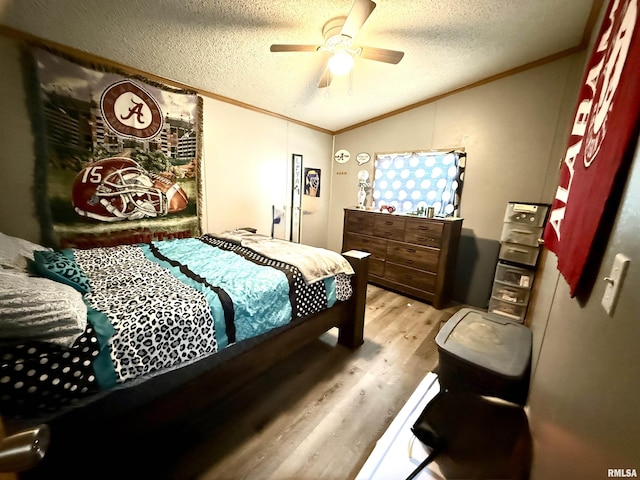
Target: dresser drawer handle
{"x":429,"y":239}
{"x":364,"y":240}
{"x":411,"y":250}
{"x":388,"y":223}
{"x":408,"y":277}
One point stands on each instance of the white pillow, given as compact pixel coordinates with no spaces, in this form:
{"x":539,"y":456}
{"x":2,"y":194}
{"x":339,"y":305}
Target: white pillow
{"x":37,"y":308}
{"x":15,"y":251}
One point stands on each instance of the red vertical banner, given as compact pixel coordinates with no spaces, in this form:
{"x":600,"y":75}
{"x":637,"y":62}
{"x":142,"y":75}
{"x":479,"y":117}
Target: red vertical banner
{"x":605,"y":122}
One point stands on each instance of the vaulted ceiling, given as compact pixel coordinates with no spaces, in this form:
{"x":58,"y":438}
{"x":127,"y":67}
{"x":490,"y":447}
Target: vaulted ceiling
{"x":222,"y":47}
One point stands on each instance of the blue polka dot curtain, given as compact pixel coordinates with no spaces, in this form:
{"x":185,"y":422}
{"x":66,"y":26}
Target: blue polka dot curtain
{"x":416,"y":180}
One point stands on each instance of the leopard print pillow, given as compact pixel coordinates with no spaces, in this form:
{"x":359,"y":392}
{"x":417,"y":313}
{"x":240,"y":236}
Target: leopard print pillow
{"x":57,"y":266}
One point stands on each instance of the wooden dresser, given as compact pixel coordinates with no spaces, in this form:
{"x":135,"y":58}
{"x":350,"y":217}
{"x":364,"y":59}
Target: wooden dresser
{"x":409,"y":254}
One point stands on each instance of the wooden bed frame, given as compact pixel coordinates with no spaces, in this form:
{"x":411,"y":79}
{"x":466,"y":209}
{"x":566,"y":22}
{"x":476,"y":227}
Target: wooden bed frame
{"x":166,"y":401}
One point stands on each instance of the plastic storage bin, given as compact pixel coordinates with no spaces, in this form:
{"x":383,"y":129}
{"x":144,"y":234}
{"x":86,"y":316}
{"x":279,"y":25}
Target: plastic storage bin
{"x":510,"y":310}
{"x":526,"y":213}
{"x":520,"y":242}
{"x":521,"y":233}
{"x":510,"y":293}
{"x":484,"y":354}
{"x":517,"y":276}
{"x":523,"y":254}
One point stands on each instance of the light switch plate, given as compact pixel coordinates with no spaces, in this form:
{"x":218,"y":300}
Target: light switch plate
{"x":614,"y":282}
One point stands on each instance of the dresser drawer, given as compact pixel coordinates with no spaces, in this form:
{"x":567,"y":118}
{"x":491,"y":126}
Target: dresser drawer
{"x":409,"y":254}
{"x":358,"y":222}
{"x":376,"y":267}
{"x":377,"y":247}
{"x":412,"y":277}
{"x":423,"y":232}
{"x":389,"y":226}
{"x":422,"y":258}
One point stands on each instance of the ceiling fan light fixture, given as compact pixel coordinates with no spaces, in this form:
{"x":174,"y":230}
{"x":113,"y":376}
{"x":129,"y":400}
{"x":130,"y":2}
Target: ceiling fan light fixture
{"x":339,"y":34}
{"x":341,"y":63}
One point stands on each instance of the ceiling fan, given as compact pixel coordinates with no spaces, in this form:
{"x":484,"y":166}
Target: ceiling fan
{"x":339,"y":34}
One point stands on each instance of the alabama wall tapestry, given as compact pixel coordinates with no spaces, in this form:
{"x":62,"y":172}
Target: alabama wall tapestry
{"x":117,"y":156}
{"x":600,"y":145}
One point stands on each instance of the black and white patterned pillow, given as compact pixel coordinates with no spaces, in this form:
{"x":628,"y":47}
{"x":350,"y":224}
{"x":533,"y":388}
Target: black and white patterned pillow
{"x":57,"y":266}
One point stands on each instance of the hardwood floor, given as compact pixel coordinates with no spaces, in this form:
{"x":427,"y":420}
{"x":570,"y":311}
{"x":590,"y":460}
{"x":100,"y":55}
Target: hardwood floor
{"x":318,"y":414}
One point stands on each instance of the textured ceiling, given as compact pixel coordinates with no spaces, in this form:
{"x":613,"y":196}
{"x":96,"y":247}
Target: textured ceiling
{"x":222,"y":46}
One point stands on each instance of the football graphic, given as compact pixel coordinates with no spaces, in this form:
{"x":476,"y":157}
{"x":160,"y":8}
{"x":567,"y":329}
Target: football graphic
{"x":118,"y":188}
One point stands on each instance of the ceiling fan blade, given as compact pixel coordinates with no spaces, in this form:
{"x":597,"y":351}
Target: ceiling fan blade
{"x":294,"y":48}
{"x":381,"y":55}
{"x":360,"y":11}
{"x":325,"y":81}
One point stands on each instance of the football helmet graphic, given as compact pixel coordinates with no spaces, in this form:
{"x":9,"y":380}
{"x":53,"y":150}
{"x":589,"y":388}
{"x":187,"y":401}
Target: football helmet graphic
{"x":117,"y":188}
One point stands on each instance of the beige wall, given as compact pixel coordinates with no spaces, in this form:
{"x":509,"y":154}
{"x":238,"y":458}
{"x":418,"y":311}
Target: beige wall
{"x":507,"y":127}
{"x":513,"y":131}
{"x":247,"y":169}
{"x":583,"y":405}
{"x":18,"y":212}
{"x":315,"y":148}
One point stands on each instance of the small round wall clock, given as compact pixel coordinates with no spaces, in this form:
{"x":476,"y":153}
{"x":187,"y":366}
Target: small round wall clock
{"x":363,"y":158}
{"x":342,"y":156}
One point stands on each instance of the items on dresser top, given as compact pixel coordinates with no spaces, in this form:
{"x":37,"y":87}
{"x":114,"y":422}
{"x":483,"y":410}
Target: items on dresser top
{"x":413,"y":255}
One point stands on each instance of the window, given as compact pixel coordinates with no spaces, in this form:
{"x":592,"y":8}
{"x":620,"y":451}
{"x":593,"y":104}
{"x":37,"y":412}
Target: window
{"x":412,"y":181}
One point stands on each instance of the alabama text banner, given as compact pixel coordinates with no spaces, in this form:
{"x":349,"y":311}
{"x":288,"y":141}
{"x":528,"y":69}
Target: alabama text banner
{"x":604,"y":124}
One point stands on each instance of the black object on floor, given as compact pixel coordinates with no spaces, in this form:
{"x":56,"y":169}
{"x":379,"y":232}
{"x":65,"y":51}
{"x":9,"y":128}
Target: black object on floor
{"x":475,"y":437}
{"x":476,"y":427}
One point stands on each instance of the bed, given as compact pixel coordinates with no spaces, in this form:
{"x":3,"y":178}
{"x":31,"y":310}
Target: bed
{"x":155,"y":333}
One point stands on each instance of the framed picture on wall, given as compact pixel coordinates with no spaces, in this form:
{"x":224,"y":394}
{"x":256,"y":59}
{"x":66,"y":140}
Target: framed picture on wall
{"x":312,"y":182}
